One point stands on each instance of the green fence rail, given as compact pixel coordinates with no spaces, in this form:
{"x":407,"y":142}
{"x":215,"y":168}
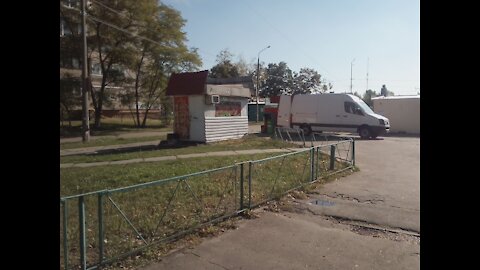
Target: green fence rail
{"x":98,"y":228}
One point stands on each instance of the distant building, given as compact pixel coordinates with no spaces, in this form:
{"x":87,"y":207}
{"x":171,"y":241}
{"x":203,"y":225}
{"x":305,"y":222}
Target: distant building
{"x":70,"y":69}
{"x":402,"y":111}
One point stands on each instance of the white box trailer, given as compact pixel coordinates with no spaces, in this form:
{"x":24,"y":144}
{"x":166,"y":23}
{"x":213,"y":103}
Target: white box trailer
{"x":330,"y":112}
{"x":403,"y":112}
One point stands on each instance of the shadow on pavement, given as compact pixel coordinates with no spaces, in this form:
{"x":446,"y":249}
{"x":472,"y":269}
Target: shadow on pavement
{"x":161,"y":145}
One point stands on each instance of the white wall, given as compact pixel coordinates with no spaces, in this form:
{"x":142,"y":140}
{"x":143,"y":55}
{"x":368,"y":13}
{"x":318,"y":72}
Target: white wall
{"x":224,"y":128}
{"x":196,"y":108}
{"x":404,"y":114}
{"x":205,"y":127}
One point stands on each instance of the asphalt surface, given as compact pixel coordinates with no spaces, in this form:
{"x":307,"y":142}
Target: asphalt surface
{"x":371,"y":221}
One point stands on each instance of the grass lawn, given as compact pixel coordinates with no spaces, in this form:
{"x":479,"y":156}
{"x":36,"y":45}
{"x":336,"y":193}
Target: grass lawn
{"x":111,"y":126}
{"x":81,"y":180}
{"x":248,"y":142}
{"x":162,"y":210}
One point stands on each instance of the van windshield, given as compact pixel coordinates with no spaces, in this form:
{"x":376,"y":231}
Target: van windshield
{"x":366,"y":109}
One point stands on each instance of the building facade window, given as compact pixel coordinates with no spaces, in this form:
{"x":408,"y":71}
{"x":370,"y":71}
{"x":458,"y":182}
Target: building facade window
{"x":96,"y":69}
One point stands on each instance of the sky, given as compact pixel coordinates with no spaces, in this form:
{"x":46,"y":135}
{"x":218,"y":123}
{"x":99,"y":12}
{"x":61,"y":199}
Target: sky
{"x":341,"y":39}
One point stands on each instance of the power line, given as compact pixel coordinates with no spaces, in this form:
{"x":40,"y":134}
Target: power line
{"x":113,"y":26}
{"x":125,"y":31}
{"x":111,"y":9}
{"x":122,"y":30}
{"x":123,"y":15}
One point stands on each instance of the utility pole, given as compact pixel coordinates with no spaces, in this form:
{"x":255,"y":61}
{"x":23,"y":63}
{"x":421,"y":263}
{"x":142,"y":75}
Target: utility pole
{"x":258,"y":77}
{"x":85,"y":118}
{"x":351,"y":78}
{"x":367,"y":73}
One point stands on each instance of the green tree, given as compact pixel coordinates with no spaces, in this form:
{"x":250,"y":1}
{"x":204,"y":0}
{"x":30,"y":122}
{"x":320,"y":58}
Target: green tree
{"x":367,"y":97}
{"x":126,"y":60}
{"x":70,"y":97}
{"x":155,"y":61}
{"x":279,"y":80}
{"x":244,"y":68}
{"x":111,"y":48}
{"x":225,"y":68}
{"x":308,"y":81}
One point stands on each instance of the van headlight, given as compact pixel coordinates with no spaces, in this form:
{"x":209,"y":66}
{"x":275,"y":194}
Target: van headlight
{"x":381,"y":122}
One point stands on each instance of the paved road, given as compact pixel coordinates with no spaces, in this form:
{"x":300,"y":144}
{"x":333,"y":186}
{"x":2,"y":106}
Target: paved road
{"x":371,"y":222}
{"x":386,"y":190}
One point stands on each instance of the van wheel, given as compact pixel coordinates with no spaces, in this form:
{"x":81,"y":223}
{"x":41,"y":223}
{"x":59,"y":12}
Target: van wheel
{"x":307,"y":130}
{"x":364,"y":132}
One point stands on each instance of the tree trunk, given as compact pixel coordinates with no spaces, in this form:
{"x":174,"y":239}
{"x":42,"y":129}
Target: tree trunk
{"x":137,"y":85}
{"x":98,"y":117}
{"x":135,"y":123}
{"x":136,"y":107}
{"x":61,"y":118}
{"x":144,"y":122}
{"x":69,"y":118}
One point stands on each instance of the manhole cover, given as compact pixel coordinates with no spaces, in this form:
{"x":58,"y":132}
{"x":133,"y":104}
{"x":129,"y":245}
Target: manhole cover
{"x":322,"y":203}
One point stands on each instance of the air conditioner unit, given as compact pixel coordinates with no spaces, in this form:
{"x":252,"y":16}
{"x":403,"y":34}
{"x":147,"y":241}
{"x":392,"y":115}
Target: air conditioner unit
{"x":213,"y":99}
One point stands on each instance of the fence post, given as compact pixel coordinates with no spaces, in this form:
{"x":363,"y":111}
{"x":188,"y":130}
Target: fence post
{"x":65,"y":243}
{"x":100,"y":227}
{"x":316,"y":160}
{"x":312,"y":164}
{"x":241,"y":186}
{"x":332,"y":157}
{"x":353,"y":152}
{"x":83,"y":244}
{"x":249,"y":184}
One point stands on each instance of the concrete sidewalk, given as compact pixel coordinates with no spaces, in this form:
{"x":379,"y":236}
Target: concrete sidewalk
{"x":286,"y":241}
{"x":194,"y":155}
{"x":367,"y":220}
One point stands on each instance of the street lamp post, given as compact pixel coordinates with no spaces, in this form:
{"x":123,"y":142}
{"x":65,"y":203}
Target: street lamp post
{"x":258,"y":77}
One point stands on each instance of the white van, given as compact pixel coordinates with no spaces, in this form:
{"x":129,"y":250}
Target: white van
{"x":330,"y":112}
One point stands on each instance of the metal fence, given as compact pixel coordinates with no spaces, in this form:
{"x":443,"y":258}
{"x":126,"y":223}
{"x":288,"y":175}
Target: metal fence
{"x":101,"y":227}
{"x":290,"y":134}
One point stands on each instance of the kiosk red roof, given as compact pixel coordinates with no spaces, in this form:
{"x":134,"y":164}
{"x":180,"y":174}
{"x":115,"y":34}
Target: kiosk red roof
{"x":188,"y":83}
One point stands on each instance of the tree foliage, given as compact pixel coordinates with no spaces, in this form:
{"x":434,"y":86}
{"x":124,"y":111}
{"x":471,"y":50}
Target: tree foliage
{"x":281,"y":80}
{"x":308,"y":81}
{"x":367,"y":97}
{"x":70,"y":97}
{"x":154,"y":62}
{"x":225,"y":68}
{"x":137,"y":65}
